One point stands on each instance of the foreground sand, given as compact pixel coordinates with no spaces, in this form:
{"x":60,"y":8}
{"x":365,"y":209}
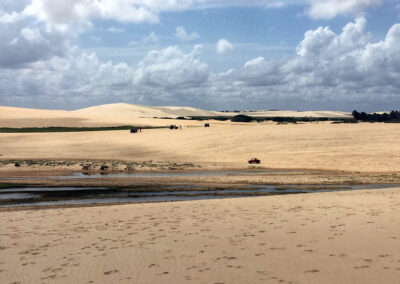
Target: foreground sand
{"x":346,"y":237}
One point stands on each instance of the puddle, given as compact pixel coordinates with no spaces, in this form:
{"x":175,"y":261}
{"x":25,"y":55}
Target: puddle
{"x":15,"y":196}
{"x":116,"y":200}
{"x":47,"y":196}
{"x":171,"y":174}
{"x":49,"y":189}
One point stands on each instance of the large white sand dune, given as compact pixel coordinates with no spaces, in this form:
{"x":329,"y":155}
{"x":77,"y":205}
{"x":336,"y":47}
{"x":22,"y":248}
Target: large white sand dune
{"x":21,"y":113}
{"x":132,"y":110}
{"x":126,"y":114}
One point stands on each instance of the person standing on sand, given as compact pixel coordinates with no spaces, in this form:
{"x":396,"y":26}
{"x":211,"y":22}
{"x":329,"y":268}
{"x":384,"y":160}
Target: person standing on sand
{"x":180,"y":127}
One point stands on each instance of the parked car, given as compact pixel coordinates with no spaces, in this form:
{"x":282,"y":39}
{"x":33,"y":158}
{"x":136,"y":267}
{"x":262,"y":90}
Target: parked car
{"x":254,"y":161}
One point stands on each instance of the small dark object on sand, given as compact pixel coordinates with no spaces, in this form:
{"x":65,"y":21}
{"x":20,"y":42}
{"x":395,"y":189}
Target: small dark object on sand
{"x":173,"y":126}
{"x":129,"y":169}
{"x":86,"y":168}
{"x":254,"y":161}
{"x":104,"y":168}
{"x":133,"y":130}
{"x":17,"y":164}
{"x":207,"y":125}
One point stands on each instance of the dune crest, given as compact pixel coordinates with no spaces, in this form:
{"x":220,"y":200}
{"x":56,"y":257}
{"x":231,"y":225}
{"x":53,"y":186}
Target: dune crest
{"x":133,"y":110}
{"x":129,"y":114}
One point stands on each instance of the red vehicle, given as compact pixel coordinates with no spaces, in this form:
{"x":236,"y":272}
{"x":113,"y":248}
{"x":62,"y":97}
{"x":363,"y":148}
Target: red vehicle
{"x":254,"y":161}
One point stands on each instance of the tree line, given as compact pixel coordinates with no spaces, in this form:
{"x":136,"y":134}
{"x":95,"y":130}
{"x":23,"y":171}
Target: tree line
{"x":393,"y":116}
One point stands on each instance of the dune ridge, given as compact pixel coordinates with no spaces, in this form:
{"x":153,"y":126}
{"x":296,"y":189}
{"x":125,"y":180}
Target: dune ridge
{"x":124,"y":113}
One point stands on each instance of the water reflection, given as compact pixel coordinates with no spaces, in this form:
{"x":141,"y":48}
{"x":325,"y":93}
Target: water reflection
{"x":46,"y":196}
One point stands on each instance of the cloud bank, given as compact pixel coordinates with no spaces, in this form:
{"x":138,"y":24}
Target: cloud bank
{"x":330,"y":70}
{"x":328,"y":9}
{"x":60,"y":14}
{"x":40,"y":63}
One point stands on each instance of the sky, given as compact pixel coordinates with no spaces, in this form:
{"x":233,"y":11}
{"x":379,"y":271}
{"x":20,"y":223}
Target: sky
{"x":211,"y":54}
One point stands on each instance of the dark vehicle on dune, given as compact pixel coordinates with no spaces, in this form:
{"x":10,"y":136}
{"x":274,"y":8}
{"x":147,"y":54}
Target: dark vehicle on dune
{"x":254,"y":161}
{"x":133,"y":130}
{"x":207,"y":125}
{"x":173,"y":126}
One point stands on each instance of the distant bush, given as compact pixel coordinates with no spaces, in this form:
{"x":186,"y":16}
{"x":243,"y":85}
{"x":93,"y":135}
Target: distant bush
{"x":71,"y":129}
{"x":393,"y":116}
{"x":242,"y":118}
{"x":201,"y":118}
{"x":345,"y":121}
{"x":284,"y":119}
{"x":278,"y":119}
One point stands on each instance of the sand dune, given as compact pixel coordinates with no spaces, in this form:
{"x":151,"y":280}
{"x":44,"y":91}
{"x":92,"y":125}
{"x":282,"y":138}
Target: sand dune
{"x":125,"y":114}
{"x":291,"y":113}
{"x":132,"y":110}
{"x":103,"y":115}
{"x":21,"y":113}
{"x":360,"y":147}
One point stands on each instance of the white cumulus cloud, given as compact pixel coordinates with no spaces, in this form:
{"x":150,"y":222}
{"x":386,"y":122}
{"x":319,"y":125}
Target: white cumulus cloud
{"x":224,"y":46}
{"x":151,"y":39}
{"x":332,"y":70}
{"x":23,"y":42}
{"x":171,"y":67}
{"x":182,"y":35}
{"x":115,"y":30}
{"x":328,"y":9}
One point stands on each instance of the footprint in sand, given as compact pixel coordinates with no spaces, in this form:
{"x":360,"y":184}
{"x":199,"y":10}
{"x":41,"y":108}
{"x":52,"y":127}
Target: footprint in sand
{"x":311,"y":271}
{"x":274,"y":248}
{"x":111,"y":272}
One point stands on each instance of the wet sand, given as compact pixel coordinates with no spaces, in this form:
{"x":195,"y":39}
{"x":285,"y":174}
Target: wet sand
{"x":31,"y":176}
{"x":337,"y":237}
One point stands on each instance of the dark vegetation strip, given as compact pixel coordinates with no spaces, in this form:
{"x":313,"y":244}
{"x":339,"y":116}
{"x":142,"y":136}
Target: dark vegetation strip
{"x":72,"y":129}
{"x":392,"y":117}
{"x":246,"y":118}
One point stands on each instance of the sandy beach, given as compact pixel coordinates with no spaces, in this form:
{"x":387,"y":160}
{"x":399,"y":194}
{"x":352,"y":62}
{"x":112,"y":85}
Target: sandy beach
{"x":350,"y":237}
{"x":361,"y":147}
{"x":331,"y":237}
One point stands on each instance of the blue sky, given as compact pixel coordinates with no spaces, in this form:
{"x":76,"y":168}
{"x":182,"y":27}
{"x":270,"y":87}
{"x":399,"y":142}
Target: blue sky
{"x":266,"y":54}
{"x":271,"y":33}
